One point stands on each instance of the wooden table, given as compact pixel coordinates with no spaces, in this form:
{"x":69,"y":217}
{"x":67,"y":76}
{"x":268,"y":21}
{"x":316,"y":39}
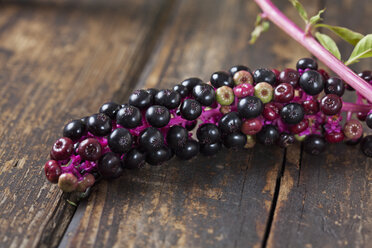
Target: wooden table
{"x":61,"y":60}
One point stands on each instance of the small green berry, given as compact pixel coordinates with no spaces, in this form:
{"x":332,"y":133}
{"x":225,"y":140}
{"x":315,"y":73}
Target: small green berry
{"x":300,"y":138}
{"x":264,"y":91}
{"x":243,"y":77}
{"x":87,"y":181}
{"x":67,"y":182}
{"x":251,"y":142}
{"x":225,"y":95}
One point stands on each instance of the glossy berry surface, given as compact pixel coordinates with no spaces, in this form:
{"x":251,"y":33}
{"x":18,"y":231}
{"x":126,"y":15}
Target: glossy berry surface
{"x":52,"y":171}
{"x":74,"y":130}
{"x":168,"y":98}
{"x":369,"y":120}
{"x":271,"y":111}
{"x":235,"y":140}
{"x":140,"y":99}
{"x":289,"y":76}
{"x":204,"y":94}
{"x":182,"y":90}
{"x":225,"y":95}
{"x":264,"y":75}
{"x":334,"y":137}
{"x":152,"y":92}
{"x":210,"y":149}
{"x":334,"y":86}
{"x":264,"y":91}
{"x":110,"y":109}
{"x":283,"y":93}
{"x":314,"y":144}
{"x":151,"y":139}
{"x":190,"y":109}
{"x":311,"y":106}
{"x":243,"y":77}
{"x":251,"y":126}
{"x":62,"y":149}
{"x":189,"y":150}
{"x":243,"y":90}
{"x":312,"y":82}
{"x":157,"y":116}
{"x":307,"y":63}
{"x":158,"y":156}
{"x":353,"y":129}
{"x":299,"y":127}
{"x":99,"y":124}
{"x":87,"y":182}
{"x":331,"y":104}
{"x":90,"y":149}
{"x":292,"y":113}
{"x":268,"y":135}
{"x":366,"y":145}
{"x":67,"y":182}
{"x":234,"y":69}
{"x":285,"y":140}
{"x":230,"y":123}
{"x":120,"y":141}
{"x":134,"y":159}
{"x":221,"y":78}
{"x":190,"y":83}
{"x":177,"y":136}
{"x":110,"y":166}
{"x":129,"y":116}
{"x":250,"y":107}
{"x":208,"y":133}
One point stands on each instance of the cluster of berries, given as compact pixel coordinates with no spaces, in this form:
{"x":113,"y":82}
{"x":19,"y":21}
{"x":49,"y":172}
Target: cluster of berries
{"x":234,"y":109}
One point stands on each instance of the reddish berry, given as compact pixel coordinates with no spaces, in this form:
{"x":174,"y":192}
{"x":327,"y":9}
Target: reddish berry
{"x":362,"y":116}
{"x":334,"y":137}
{"x":90,"y":149}
{"x":283,"y":93}
{"x":353,"y":129}
{"x":67,"y":182}
{"x":52,"y":171}
{"x":251,"y":126}
{"x":289,"y":76}
{"x":62,"y":149}
{"x":331,"y":104}
{"x":311,"y":106}
{"x":324,"y":74}
{"x":87,"y":181}
{"x":243,"y":90}
{"x":299,"y":127}
{"x":271,"y":111}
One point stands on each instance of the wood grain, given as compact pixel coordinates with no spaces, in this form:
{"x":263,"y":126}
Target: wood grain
{"x":57,"y":63}
{"x":223,"y":201}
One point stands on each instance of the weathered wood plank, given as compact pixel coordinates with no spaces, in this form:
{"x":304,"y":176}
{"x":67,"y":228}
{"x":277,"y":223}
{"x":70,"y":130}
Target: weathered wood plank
{"x":56,"y":63}
{"x":222,"y":201}
{"x":326,"y":201}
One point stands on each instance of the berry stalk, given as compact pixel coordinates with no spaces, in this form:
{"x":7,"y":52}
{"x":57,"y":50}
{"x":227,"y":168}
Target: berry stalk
{"x":271,"y":12}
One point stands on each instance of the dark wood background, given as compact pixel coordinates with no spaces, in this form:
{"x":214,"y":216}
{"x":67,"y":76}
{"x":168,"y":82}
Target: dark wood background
{"x":60,"y":60}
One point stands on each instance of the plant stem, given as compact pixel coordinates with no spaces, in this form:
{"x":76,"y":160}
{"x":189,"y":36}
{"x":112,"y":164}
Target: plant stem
{"x":279,"y":19}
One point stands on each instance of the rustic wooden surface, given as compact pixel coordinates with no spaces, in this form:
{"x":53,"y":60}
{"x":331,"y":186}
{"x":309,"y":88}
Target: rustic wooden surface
{"x":61,"y":59}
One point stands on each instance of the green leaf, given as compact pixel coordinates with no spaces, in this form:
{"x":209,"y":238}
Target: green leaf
{"x":72,"y":203}
{"x":258,"y":30}
{"x":362,"y":50}
{"x":258,"y":20}
{"x":300,"y":9}
{"x":345,"y":33}
{"x":315,"y":19}
{"x":328,"y":44}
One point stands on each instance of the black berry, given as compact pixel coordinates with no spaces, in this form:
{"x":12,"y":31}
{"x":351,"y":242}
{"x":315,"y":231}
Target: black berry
{"x":221,"y":78}
{"x":314,"y":144}
{"x":204,"y":94}
{"x":292,"y":113}
{"x":190,"y":109}
{"x":74,"y":130}
{"x":110,"y":109}
{"x":307,"y":63}
{"x":264,"y":75}
{"x":157,"y":116}
{"x":140,"y":99}
{"x":129,"y":116}
{"x":120,"y":141}
{"x":268,"y":135}
{"x":250,"y":107}
{"x":99,"y":124}
{"x":312,"y":82}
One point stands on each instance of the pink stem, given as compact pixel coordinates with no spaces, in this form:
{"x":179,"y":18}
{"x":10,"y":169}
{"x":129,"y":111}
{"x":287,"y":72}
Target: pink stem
{"x":279,"y":19}
{"x":354,"y":107}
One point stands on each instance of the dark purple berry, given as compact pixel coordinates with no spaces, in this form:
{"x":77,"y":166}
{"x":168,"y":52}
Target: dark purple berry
{"x":331,"y":104}
{"x":204,"y":94}
{"x":190,"y":125}
{"x":90,"y":149}
{"x":208,"y":133}
{"x":120,"y":141}
{"x":369,"y":120}
{"x":366,"y":75}
{"x":62,"y":149}
{"x":314,"y":144}
{"x":151,"y":139}
{"x":283,"y":93}
{"x":182,"y":90}
{"x":152,"y":92}
{"x":230,"y":123}
{"x":264,"y":75}
{"x":99,"y":124}
{"x":157,"y":116}
{"x":190,"y":109}
{"x":134,"y":159}
{"x":74,"y":130}
{"x":190,"y":83}
{"x":334,"y":86}
{"x":110,"y":109}
{"x":285,"y":140}
{"x":221,"y":78}
{"x":307,"y":63}
{"x":129,"y":116}
{"x":188,"y":151}
{"x":237,"y":68}
{"x":366,"y":145}
{"x":268,"y":135}
{"x":140,"y":99}
{"x":292,"y":113}
{"x":235,"y":140}
{"x":168,"y":98}
{"x":177,"y":136}
{"x":52,"y":171}
{"x":110,"y":166}
{"x":289,"y":76}
{"x":311,"y":106}
{"x":158,"y":156}
{"x":210,"y":149}
{"x":312,"y":82}
{"x":250,"y":107}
